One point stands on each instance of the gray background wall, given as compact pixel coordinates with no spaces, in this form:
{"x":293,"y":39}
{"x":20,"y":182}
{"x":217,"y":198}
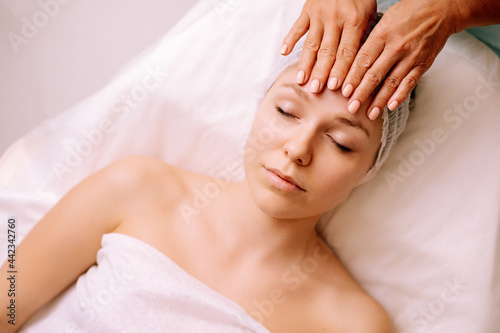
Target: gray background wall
{"x":54,"y":53}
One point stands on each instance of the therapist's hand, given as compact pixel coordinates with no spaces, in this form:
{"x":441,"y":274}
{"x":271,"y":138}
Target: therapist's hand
{"x":400,"y":49}
{"x":335,"y":31}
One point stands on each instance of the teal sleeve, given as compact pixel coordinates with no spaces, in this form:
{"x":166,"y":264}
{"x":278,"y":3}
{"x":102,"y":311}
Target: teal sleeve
{"x":489,"y":35}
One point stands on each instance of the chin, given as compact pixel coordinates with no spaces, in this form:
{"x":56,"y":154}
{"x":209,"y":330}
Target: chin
{"x":274,"y":202}
{"x":279,"y":205}
{"x":276,"y":208}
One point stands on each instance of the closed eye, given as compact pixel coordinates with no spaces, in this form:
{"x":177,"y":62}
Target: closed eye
{"x":343,"y":148}
{"x":286,"y":114}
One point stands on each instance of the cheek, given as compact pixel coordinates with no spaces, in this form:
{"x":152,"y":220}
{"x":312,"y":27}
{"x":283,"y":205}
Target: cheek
{"x":335,"y":179}
{"x":265,"y":133}
{"x":257,"y":141}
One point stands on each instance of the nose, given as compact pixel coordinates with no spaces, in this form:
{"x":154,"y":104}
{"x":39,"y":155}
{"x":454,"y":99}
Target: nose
{"x":298,"y":147}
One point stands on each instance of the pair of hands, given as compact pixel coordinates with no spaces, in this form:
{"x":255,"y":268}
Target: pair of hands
{"x":398,"y":51}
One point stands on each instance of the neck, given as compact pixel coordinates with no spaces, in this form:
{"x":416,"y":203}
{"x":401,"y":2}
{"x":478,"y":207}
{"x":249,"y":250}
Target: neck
{"x":246,"y":226}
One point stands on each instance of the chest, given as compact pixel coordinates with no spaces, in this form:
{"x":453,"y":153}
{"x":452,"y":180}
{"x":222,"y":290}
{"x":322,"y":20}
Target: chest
{"x":283,"y":299}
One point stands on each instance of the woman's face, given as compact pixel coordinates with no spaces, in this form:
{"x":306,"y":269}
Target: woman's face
{"x":312,"y":141}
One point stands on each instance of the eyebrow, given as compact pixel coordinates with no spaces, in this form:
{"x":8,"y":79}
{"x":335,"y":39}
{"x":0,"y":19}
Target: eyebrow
{"x":353,"y":123}
{"x":298,"y":91}
{"x":343,"y":120}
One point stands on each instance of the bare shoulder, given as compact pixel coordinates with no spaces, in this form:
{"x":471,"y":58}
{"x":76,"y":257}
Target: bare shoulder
{"x":352,"y":310}
{"x":140,"y":169}
{"x":342,"y":304}
{"x":146,"y":176}
{"x":138,"y":185}
{"x":368,"y":315}
{"x":152,"y":190}
{"x":348,"y":311}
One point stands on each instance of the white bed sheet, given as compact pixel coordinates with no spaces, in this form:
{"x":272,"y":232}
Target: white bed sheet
{"x":422,"y":237}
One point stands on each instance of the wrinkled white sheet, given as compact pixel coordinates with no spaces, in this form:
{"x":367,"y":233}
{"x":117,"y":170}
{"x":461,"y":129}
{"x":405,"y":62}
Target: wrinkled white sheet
{"x":422,"y":237}
{"x":117,"y":285}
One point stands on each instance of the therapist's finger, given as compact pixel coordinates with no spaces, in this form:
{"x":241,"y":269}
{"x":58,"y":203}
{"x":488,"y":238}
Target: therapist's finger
{"x":325,"y":59}
{"x":374,"y":76}
{"x":298,"y":30}
{"x":407,"y":85}
{"x":309,"y":51}
{"x":392,"y":97}
{"x":364,"y":60}
{"x":390,"y":85}
{"x":348,"y":46}
{"x":398,"y":84}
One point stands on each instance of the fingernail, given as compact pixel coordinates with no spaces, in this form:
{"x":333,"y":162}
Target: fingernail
{"x":374,"y":113}
{"x":347,"y":90}
{"x":332,"y":83}
{"x":314,"y":87}
{"x":284,"y":48}
{"x":300,"y":77}
{"x":354,"y":106}
{"x":394,"y":104}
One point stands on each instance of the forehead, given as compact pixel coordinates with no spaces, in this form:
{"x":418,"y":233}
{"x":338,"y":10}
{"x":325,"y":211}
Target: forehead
{"x":332,"y":101}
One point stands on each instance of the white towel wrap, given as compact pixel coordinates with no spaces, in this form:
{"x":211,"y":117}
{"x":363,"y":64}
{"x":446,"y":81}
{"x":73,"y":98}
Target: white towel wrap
{"x":136,"y":288}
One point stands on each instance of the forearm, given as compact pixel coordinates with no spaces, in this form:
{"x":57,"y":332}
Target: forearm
{"x":62,"y":245}
{"x":467,"y":14}
{"x":7,"y":328}
{"x":8,"y":319}
{"x":482,"y":12}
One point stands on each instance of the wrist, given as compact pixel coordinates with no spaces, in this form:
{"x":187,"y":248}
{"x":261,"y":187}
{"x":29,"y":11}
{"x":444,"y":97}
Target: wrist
{"x":448,"y":16}
{"x":7,"y":328}
{"x":468,"y":14}
{"x":457,"y":13}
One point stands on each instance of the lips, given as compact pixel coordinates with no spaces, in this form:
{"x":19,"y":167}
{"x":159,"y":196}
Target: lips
{"x":282,"y":181}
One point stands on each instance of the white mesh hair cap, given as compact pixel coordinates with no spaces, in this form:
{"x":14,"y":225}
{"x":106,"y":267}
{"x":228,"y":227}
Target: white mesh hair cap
{"x":282,"y":64}
{"x":393,"y":123}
